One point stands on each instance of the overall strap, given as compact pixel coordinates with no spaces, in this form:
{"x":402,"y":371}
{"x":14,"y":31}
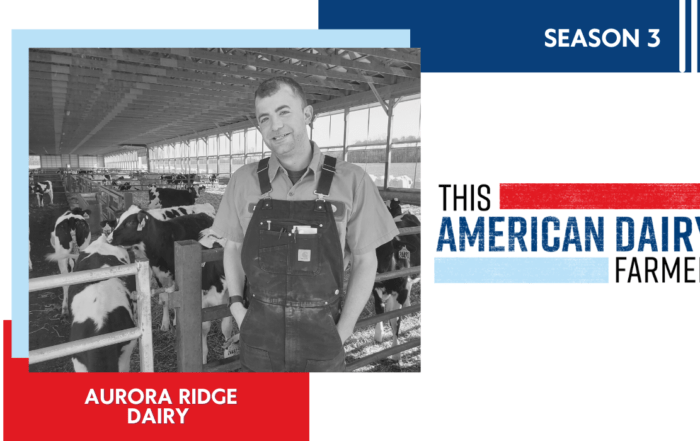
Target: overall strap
{"x":264,"y":176}
{"x":327,"y":171}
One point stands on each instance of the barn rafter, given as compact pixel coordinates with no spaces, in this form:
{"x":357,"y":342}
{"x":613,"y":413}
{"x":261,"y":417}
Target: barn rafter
{"x":89,"y":101}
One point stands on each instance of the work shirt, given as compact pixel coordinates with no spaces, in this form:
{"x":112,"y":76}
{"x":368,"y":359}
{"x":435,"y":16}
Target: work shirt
{"x":362,"y":218}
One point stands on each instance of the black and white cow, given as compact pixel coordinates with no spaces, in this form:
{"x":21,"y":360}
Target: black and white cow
{"x":213,"y":179}
{"x":167,"y":179}
{"x":214,"y":291}
{"x":158,"y":238}
{"x":394,"y":206}
{"x":98,"y":308}
{"x":162,"y":214}
{"x":40,"y":189}
{"x":170,"y":197}
{"x":125,"y":186}
{"x":71,"y":234}
{"x":401,"y":252}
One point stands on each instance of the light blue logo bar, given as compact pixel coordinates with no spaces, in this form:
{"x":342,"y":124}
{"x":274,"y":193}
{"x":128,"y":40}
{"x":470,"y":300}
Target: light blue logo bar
{"x":521,"y":270}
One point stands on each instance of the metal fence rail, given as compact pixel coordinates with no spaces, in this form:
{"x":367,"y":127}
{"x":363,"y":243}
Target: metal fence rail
{"x":142,"y":331}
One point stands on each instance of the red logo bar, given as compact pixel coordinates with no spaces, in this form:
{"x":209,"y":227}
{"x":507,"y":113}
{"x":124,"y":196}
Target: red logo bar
{"x":600,"y":196}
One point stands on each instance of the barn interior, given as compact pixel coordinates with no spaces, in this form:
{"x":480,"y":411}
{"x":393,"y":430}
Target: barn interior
{"x":142,"y":113}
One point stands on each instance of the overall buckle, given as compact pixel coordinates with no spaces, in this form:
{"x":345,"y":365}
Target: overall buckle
{"x":266,"y":201}
{"x":320,"y":203}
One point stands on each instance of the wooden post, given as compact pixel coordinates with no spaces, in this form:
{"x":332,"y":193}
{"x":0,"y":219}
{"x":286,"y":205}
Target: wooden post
{"x":100,"y":209}
{"x":128,"y":200}
{"x":188,"y":275}
{"x":143,"y":303}
{"x":95,"y":217}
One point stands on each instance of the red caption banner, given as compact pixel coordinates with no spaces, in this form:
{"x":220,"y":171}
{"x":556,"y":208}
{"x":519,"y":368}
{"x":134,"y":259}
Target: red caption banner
{"x":53,"y":405}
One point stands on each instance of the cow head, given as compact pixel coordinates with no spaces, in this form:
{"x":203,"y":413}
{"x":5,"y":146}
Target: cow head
{"x":130,"y":229}
{"x":152,"y":192}
{"x":72,"y":226}
{"x":108,"y":226}
{"x":196,"y":192}
{"x":394,"y":206}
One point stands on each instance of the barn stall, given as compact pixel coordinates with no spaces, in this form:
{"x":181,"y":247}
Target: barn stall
{"x":143,"y":113}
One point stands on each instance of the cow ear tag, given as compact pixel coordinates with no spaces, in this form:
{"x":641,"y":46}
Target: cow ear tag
{"x":141,"y":225}
{"x":404,"y":253}
{"x":86,"y":216}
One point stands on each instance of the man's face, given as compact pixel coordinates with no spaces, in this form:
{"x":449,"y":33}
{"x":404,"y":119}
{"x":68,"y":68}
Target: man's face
{"x":282,"y":121}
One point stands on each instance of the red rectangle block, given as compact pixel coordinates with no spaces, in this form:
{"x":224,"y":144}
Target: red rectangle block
{"x":53,"y":405}
{"x":600,"y":196}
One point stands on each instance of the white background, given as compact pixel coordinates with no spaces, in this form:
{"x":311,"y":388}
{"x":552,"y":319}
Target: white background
{"x":501,"y":362}
{"x":542,"y":362}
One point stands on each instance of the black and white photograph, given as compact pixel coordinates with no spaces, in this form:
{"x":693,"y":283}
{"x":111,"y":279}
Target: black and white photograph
{"x":224,"y":210}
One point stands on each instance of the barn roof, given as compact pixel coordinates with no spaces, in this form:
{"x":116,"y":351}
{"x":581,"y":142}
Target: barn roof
{"x":97,"y":101}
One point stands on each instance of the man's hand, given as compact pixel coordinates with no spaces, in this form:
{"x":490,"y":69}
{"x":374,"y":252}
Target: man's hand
{"x":238,"y":312}
{"x":230,"y":343}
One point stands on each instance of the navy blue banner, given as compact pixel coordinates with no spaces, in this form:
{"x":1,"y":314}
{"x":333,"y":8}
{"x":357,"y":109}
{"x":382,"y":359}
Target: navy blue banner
{"x":511,"y":36}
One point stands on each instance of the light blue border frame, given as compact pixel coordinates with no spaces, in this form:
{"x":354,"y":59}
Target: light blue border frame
{"x":22,"y":40}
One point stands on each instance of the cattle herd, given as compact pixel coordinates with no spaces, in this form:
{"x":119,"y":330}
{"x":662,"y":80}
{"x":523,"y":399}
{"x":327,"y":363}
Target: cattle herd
{"x":106,"y":306}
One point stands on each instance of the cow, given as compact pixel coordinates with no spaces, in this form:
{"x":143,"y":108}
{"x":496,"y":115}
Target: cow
{"x":394,"y":206}
{"x":399,"y":253}
{"x":98,"y":308}
{"x":108,"y":226}
{"x":170,"y":197}
{"x":167,"y":179}
{"x":214,"y":290}
{"x":125,"y":186}
{"x":213,"y":180}
{"x":40,"y":189}
{"x":160,"y":214}
{"x":71,"y":234}
{"x":158,"y":237}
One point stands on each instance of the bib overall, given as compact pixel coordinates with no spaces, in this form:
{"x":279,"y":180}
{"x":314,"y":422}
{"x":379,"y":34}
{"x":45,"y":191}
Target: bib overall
{"x":293,"y":261}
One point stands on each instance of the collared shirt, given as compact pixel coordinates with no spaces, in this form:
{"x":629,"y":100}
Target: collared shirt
{"x":363,"y":221}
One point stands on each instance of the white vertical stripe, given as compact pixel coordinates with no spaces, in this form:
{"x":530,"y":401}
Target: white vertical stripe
{"x":694,"y":36}
{"x":681,"y":36}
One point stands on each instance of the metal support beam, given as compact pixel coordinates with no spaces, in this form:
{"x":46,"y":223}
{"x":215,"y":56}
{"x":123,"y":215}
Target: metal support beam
{"x":387,"y":163}
{"x":379,"y":98}
{"x":346,"y":113}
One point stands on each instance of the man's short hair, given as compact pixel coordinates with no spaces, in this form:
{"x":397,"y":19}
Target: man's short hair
{"x":272,"y":85}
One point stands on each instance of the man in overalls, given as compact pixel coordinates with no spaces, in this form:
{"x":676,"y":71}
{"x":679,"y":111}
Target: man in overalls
{"x":288,"y":220}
